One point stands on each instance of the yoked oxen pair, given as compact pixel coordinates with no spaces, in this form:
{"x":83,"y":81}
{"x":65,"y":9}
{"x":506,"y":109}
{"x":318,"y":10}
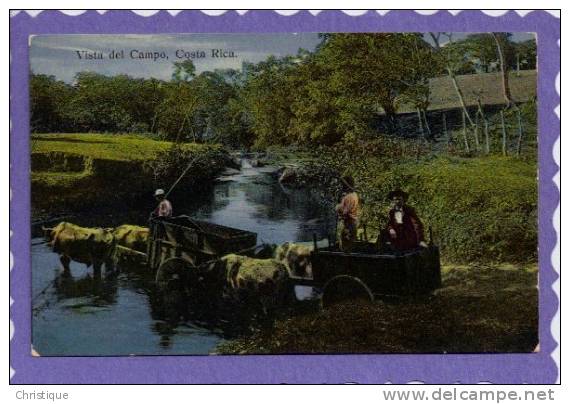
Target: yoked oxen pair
{"x":133,"y":237}
{"x":89,"y":246}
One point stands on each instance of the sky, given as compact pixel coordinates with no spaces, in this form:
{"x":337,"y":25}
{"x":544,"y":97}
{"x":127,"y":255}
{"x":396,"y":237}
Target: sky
{"x":57,"y":54}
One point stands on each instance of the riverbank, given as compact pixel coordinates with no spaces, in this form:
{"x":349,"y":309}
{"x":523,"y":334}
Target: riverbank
{"x":82,"y":172}
{"x":481,"y":209}
{"x":478,"y":309}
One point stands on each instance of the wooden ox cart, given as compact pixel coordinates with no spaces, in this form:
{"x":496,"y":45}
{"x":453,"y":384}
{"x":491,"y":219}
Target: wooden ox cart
{"x":178,"y":245}
{"x":368,"y":273}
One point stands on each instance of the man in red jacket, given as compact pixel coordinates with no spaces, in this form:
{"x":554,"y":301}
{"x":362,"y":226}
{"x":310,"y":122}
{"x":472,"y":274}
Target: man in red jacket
{"x":404,"y":230}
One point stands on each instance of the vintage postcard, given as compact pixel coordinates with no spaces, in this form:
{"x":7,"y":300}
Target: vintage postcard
{"x":367,"y":192}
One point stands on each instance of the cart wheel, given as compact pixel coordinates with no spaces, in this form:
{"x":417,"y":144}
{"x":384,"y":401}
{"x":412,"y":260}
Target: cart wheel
{"x":345,"y":287}
{"x":174,"y":274}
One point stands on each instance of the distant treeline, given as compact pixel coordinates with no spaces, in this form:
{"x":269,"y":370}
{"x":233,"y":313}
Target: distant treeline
{"x":334,"y":93}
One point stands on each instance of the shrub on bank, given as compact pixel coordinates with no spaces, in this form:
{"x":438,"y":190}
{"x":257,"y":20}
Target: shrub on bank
{"x":112,"y":170}
{"x":480,"y":209}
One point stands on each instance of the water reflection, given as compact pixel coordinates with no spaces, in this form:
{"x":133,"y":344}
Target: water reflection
{"x":101,"y":291}
{"x":123,"y":314}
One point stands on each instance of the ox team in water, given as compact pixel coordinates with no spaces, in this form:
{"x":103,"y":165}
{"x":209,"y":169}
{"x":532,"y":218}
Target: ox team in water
{"x":95,"y":246}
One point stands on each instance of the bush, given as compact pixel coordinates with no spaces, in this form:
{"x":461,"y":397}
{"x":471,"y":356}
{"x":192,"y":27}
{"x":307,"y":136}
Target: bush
{"x":480,"y":209}
{"x":169,"y":164}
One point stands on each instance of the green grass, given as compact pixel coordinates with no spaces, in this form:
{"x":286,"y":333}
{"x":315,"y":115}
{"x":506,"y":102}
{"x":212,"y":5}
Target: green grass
{"x":61,"y":179}
{"x":481,"y":209}
{"x":105,"y":146}
{"x":74,"y":172}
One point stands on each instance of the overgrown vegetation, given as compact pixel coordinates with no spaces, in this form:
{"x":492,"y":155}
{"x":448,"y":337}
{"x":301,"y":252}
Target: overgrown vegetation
{"x":120,"y":147}
{"x":77,"y":172}
{"x":481,"y":209}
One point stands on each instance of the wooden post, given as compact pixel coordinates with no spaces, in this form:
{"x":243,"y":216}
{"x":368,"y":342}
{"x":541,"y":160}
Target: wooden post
{"x":420,"y":122}
{"x":485,"y":125}
{"x":444,"y":123}
{"x":465,"y":132}
{"x":486,"y":129}
{"x":504,"y":130}
{"x":476,"y":132}
{"x":519,"y":141}
{"x":459,"y":93}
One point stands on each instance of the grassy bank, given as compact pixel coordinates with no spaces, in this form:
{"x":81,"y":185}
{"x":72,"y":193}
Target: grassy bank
{"x":480,"y":209}
{"x":72,"y":172}
{"x":106,"y":146}
{"x":469,"y":314}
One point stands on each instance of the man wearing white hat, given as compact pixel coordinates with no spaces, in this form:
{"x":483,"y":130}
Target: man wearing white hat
{"x":164,"y":208}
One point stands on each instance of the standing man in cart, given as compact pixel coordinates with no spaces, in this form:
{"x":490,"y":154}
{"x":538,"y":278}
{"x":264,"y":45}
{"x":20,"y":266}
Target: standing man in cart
{"x":348,"y":210}
{"x":164,"y":208}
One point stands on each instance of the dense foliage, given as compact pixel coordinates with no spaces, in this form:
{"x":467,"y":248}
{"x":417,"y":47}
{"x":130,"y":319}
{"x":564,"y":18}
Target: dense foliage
{"x":480,"y":209}
{"x":338,"y":92}
{"x":80,"y":172}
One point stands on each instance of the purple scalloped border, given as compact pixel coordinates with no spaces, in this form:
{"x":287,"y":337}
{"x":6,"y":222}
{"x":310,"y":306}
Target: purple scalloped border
{"x":538,"y":368}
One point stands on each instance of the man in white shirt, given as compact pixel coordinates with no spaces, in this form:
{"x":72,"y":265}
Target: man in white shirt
{"x":164,"y":208}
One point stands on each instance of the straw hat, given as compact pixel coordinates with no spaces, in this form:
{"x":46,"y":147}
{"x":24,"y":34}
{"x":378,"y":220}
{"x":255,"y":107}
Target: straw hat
{"x":397,"y":192}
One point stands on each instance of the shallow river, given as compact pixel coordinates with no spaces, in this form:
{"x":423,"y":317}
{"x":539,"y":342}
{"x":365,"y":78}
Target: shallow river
{"x":119,"y":315}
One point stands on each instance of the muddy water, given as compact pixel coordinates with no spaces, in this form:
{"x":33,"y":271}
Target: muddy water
{"x":120,"y":314}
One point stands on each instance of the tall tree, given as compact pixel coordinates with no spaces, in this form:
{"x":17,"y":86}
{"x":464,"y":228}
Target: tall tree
{"x":373,"y":70}
{"x":455,"y":57}
{"x":48,"y":98}
{"x":423,"y":64}
{"x":505,"y":53}
{"x":480,"y":50}
{"x":268,"y":97}
{"x":526,"y":54}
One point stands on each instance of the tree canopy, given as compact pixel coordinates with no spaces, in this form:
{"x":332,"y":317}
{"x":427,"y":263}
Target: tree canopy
{"x":334,"y":93}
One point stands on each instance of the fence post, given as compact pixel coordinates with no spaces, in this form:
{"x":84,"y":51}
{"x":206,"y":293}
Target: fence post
{"x":476,"y":132}
{"x":519,"y":142}
{"x":504,"y":130}
{"x":486,"y":129}
{"x":444,"y":123}
{"x":464,"y":132}
{"x":420,"y":123}
{"x":485,"y":125}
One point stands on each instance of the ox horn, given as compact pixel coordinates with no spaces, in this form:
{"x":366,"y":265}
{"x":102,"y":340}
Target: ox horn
{"x":46,"y":229}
